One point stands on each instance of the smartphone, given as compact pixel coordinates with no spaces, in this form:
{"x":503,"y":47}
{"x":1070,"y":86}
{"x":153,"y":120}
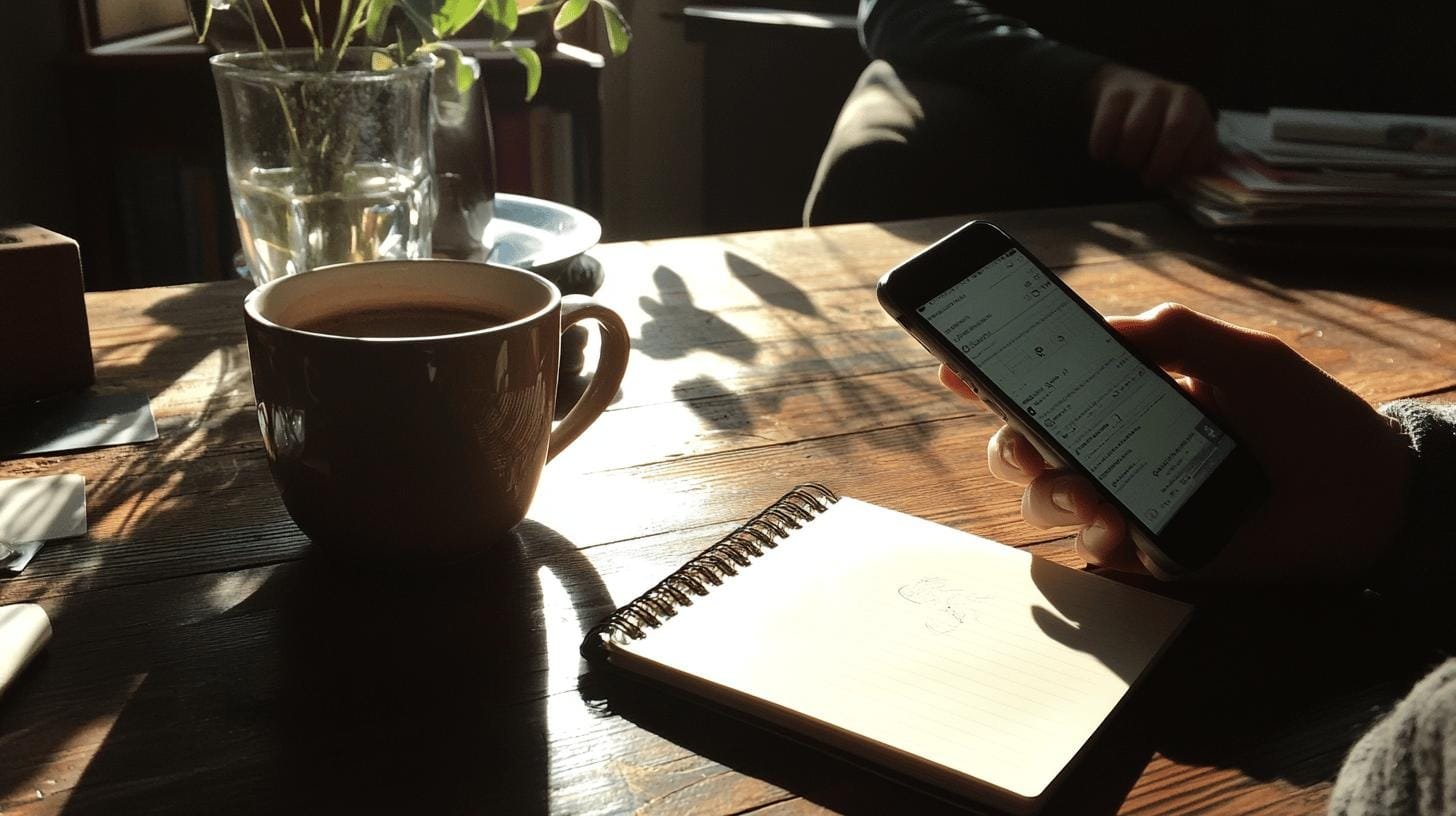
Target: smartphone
{"x":1052,"y":368}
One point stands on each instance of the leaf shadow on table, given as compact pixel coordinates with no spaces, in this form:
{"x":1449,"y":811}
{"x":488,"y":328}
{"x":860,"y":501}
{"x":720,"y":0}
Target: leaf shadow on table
{"x":772,"y":289}
{"x":336,"y":687}
{"x":136,"y":494}
{"x":676,"y":326}
{"x":1308,"y":271}
{"x":738,"y":407}
{"x":725,"y":409}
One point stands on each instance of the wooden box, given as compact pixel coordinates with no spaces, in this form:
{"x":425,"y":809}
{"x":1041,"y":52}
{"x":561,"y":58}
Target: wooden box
{"x":45,"y":344}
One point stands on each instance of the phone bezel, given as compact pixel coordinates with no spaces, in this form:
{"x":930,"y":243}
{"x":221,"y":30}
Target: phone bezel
{"x":1197,"y":532}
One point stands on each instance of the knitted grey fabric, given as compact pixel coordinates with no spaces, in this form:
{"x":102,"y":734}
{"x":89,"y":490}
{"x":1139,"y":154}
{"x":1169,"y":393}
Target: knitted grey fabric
{"x":1406,"y":764}
{"x":1424,"y":562}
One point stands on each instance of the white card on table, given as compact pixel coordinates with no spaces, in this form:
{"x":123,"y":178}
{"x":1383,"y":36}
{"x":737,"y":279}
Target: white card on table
{"x":39,"y":509}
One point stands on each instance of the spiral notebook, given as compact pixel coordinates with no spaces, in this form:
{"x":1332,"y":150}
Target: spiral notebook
{"x":927,"y":652}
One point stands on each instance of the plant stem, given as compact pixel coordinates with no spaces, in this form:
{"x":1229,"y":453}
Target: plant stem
{"x":253,"y":24}
{"x":360,"y":17}
{"x":339,"y":27}
{"x":277,"y":29}
{"x":293,"y":143}
{"x":312,"y":33}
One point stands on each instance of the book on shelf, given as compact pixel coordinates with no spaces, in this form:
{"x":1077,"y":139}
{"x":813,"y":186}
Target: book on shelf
{"x":922,"y":651}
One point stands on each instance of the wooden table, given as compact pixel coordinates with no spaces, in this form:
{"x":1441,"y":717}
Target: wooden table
{"x":204,"y":661}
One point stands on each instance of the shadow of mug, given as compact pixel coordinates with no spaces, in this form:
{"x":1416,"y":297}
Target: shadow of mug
{"x":425,"y":692}
{"x":427,"y":439}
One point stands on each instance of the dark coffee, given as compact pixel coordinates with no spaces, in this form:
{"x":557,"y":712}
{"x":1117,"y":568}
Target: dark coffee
{"x":404,"y":321}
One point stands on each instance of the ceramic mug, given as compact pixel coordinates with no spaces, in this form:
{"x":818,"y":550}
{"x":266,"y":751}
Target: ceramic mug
{"x":417,"y":445}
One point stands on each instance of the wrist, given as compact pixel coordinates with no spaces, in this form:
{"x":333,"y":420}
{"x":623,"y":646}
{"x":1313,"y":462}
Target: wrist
{"x":1418,"y":559}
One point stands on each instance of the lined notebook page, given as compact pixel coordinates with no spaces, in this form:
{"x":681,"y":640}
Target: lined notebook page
{"x":928,"y":644}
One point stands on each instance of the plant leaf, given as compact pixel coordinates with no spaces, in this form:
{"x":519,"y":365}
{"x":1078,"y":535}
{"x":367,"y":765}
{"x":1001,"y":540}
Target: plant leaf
{"x":465,"y":75}
{"x":375,"y":23}
{"x":570,"y":12}
{"x":532,"y":62}
{"x":452,"y":15}
{"x":460,"y":71}
{"x":619,"y":34}
{"x":418,"y":13}
{"x":502,"y":13}
{"x":206,"y":22}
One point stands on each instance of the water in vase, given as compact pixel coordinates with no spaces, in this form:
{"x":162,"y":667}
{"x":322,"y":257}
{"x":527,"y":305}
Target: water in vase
{"x":374,"y":211}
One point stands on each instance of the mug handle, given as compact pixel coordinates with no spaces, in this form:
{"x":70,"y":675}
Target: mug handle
{"x":616,"y":346}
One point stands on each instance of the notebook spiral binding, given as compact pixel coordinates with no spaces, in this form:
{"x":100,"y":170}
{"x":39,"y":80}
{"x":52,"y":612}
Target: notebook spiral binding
{"x":708,"y":569}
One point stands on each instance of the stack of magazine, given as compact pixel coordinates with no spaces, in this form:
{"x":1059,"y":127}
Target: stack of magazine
{"x":1328,"y":169}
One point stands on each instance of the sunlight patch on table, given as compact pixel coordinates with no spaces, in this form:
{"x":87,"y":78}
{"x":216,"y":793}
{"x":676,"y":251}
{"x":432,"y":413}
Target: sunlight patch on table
{"x":53,"y":782}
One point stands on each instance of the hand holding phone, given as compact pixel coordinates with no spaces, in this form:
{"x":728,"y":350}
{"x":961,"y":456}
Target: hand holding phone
{"x":1337,"y":469}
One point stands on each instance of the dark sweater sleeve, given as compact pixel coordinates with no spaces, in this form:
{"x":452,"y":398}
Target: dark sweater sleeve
{"x":965,"y":42}
{"x":1402,"y":765}
{"x":1423,"y":565}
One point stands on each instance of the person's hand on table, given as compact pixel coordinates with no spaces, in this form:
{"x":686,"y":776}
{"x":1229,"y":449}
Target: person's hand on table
{"x":1338,"y":470}
{"x":1150,"y":126}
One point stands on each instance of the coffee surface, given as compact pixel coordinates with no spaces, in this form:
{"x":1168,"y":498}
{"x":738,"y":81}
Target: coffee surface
{"x":404,"y":321}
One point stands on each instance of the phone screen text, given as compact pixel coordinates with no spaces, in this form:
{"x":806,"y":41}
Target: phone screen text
{"x":1145,"y":443}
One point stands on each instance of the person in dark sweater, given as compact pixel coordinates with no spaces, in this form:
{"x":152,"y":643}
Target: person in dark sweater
{"x":1025,"y":103}
{"x":1378,"y":481}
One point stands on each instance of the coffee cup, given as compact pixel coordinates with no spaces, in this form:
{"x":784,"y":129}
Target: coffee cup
{"x":406,"y":406}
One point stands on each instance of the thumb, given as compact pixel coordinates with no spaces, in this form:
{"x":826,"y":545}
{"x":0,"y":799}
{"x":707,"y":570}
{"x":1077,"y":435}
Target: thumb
{"x":1180,"y":340}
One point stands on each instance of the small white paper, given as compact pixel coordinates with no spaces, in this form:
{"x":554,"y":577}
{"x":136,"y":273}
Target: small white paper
{"x":42,"y":508}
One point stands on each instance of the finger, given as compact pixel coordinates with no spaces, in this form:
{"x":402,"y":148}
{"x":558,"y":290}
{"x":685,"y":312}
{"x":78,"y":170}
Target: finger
{"x":1205,"y":395}
{"x":1059,"y":499}
{"x":1141,"y":128}
{"x":1152,"y":567}
{"x":1107,"y":122}
{"x":1105,"y":543}
{"x":949,"y":379}
{"x":1184,"y":124}
{"x":1011,"y":458}
{"x":1205,"y":348}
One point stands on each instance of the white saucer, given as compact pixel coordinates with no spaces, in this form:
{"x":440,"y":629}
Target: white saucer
{"x":533,"y":233}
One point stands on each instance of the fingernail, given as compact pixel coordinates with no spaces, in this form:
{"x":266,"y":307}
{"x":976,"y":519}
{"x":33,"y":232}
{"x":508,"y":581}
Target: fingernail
{"x":1099,"y":524}
{"x":1062,"y":498}
{"x":1008,"y":452}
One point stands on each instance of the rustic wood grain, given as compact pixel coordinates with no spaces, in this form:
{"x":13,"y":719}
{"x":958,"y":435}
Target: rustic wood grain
{"x":207,"y":658}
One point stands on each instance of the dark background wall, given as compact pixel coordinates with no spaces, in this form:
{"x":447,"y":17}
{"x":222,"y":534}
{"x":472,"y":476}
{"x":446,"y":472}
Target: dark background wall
{"x":36,"y":179}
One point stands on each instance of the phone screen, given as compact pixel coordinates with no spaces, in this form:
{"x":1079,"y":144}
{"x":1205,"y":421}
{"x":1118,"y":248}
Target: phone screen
{"x":1144,"y":441}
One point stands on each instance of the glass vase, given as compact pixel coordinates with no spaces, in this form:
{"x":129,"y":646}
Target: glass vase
{"x":464,"y":166}
{"x":327,"y":166}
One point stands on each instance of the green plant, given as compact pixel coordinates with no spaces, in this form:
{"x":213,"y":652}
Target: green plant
{"x":400,"y":29}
